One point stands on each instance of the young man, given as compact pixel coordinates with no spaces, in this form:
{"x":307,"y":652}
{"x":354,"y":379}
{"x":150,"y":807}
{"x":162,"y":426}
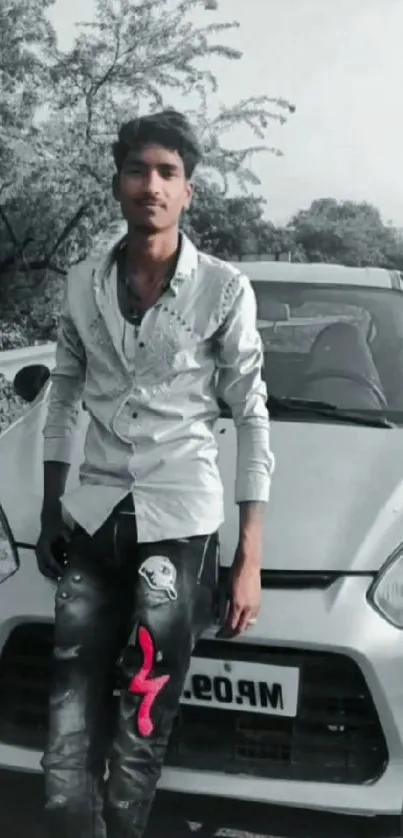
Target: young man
{"x":151,"y":336}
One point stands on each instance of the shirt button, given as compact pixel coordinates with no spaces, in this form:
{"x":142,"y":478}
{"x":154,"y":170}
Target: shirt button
{"x":141,"y":345}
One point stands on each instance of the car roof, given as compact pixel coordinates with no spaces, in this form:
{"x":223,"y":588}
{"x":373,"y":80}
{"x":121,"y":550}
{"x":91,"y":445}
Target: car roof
{"x":321,"y":273}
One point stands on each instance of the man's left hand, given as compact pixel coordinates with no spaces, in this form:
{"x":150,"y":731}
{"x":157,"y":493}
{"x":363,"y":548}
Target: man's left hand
{"x":245,"y":593}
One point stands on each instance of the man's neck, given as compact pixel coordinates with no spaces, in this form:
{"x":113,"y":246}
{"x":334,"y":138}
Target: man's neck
{"x":152,"y":257}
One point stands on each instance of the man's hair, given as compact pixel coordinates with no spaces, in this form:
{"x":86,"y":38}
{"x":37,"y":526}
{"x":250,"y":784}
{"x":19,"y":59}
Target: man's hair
{"x":169,"y":129}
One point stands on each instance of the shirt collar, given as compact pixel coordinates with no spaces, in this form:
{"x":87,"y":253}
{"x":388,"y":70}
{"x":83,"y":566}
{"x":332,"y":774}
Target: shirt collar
{"x":187,"y":264}
{"x":186,"y":267}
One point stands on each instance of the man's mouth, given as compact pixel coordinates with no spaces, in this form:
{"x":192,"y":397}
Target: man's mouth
{"x":150,"y":205}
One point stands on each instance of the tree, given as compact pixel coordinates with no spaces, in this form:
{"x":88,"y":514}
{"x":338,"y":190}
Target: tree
{"x":26,"y":40}
{"x":345,"y":232}
{"x":128,"y":60}
{"x":276,"y":240}
{"x":394,"y":250}
{"x":224,"y":226}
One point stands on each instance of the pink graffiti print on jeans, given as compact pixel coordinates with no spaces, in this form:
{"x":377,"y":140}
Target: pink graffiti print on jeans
{"x":142,"y":684}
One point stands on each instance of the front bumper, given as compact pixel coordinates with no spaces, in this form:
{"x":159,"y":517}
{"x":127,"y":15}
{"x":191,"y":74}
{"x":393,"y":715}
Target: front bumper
{"x":294,"y":622}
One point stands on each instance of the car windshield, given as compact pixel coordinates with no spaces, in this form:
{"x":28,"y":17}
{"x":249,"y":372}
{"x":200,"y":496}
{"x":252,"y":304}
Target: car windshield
{"x":341,"y":345}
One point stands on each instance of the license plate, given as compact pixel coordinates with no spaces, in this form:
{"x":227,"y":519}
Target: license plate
{"x":238,"y":685}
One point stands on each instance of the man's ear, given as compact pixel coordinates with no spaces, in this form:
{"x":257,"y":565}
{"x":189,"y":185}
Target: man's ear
{"x":190,"y":189}
{"x":116,"y":187}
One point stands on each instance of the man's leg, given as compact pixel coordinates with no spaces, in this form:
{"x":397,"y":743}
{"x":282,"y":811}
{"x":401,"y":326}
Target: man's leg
{"x":175,"y":599}
{"x":89,"y":608}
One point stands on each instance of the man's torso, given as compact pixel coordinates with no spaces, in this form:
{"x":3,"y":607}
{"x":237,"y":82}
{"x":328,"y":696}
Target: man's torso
{"x":150,"y":393}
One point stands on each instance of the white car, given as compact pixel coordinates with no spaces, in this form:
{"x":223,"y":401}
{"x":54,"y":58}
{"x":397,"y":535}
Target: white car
{"x":306,"y":709}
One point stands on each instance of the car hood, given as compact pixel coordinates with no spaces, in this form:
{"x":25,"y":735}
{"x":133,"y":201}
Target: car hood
{"x":336,"y":499}
{"x":21,"y":473}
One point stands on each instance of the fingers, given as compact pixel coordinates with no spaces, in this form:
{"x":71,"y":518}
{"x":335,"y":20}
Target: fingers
{"x":246,"y":621}
{"x":242,"y":619}
{"x":48,"y":567}
{"x":235,"y":616}
{"x":238,"y":616}
{"x":47,"y":564}
{"x":239,"y":619}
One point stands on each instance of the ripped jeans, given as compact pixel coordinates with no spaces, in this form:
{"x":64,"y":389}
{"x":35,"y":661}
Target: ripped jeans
{"x":145,"y":606}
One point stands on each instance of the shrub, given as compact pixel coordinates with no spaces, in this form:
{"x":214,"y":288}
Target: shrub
{"x":11,"y":406}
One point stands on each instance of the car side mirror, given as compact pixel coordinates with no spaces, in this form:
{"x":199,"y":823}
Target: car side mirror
{"x":30,"y":380}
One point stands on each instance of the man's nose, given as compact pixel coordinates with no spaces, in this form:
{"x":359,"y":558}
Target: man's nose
{"x":152,"y":182}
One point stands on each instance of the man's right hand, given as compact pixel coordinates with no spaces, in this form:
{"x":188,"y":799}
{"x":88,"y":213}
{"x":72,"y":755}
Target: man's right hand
{"x":54,"y":532}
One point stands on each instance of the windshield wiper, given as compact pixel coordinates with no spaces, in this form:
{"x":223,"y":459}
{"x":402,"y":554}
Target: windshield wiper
{"x":282,"y":405}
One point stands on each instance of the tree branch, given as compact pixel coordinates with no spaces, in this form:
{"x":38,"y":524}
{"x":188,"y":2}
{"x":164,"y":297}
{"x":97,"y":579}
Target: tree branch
{"x":10,"y":231}
{"x":66,"y":232}
{"x":19,"y":246}
{"x":110,"y":70}
{"x":34,"y":265}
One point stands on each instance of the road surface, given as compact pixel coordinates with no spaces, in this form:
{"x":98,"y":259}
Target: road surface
{"x":21,"y":798}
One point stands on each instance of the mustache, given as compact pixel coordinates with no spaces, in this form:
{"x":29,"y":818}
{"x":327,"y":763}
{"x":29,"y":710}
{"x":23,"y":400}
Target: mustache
{"x":148,"y":201}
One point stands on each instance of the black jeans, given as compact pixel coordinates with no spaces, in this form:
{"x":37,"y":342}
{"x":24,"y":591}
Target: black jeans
{"x":145,"y":606}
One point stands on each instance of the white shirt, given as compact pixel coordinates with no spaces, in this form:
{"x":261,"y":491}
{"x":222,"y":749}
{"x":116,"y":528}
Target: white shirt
{"x":152,"y":412}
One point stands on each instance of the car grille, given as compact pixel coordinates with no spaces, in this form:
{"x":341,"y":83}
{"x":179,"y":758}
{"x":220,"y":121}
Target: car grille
{"x":335,"y":738}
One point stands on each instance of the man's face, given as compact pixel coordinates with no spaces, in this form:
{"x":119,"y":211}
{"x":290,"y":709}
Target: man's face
{"x":152,"y":189}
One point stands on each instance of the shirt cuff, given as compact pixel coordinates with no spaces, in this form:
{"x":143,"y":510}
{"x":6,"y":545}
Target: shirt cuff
{"x":252,"y":488}
{"x":57,"y":449}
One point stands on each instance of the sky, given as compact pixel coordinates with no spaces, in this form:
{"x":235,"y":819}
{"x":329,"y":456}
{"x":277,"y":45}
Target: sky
{"x":341,"y":63}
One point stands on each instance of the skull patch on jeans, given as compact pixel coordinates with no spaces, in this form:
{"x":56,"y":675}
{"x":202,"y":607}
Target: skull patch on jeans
{"x":160,"y":575}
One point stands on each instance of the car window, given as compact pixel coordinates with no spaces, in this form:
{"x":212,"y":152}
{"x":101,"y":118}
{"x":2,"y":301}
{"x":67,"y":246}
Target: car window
{"x":338,"y":344}
{"x":297,"y":332}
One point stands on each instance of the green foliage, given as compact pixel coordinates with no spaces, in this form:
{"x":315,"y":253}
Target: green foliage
{"x":11,"y":406}
{"x":55,"y":188}
{"x":347,"y":233}
{"x":224,"y":226}
{"x":29,"y":306}
{"x":26,"y":41}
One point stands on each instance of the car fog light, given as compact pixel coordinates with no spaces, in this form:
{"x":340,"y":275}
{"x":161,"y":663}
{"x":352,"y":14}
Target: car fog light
{"x":386,"y":592}
{"x":9,"y":561}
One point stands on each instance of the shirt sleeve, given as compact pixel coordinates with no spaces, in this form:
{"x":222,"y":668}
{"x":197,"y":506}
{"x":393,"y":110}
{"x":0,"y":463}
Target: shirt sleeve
{"x":67,"y":384}
{"x":242,"y":388}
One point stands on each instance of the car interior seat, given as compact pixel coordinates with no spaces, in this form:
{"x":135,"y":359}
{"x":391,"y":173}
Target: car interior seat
{"x":342,"y":371}
{"x":390,"y":366}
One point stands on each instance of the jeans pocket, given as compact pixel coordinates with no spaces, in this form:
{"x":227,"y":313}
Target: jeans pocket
{"x":208,"y":571}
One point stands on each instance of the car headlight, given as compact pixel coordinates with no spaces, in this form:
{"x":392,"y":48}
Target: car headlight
{"x":386,"y":591}
{"x":9,"y":559}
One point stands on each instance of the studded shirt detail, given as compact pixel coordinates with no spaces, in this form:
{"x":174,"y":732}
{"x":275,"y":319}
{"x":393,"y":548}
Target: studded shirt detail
{"x":152,"y":412}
